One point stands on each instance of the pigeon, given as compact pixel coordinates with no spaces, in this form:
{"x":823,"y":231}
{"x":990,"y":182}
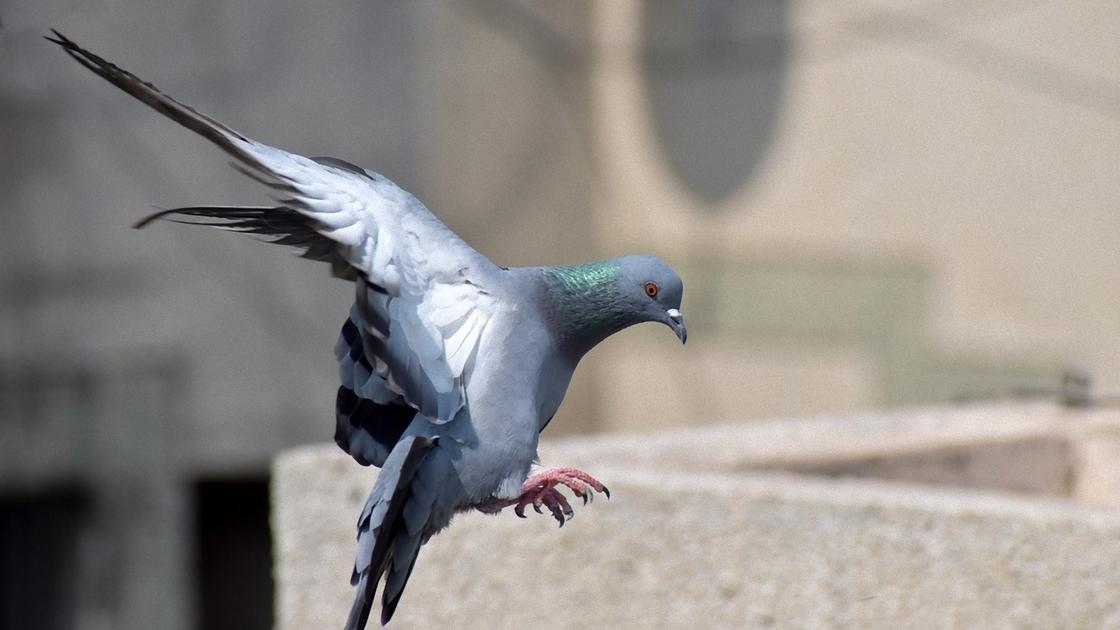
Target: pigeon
{"x":451,"y":365}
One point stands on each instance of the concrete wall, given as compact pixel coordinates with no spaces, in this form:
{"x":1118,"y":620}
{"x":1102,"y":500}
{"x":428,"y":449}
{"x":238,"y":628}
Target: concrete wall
{"x":708,"y":528}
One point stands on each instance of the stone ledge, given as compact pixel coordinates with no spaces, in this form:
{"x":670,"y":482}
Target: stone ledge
{"x":685,"y":542}
{"x":1035,"y":448}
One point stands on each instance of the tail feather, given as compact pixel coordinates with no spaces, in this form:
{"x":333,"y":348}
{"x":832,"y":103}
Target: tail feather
{"x":383,"y":519}
{"x":398,"y":576}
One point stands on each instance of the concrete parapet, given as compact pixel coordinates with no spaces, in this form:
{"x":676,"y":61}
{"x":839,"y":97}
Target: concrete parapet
{"x":704,"y":532}
{"x":1097,"y":464}
{"x":1031,"y":448}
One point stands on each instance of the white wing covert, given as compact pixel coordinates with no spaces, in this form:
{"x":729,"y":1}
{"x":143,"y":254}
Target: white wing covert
{"x":419,"y":277}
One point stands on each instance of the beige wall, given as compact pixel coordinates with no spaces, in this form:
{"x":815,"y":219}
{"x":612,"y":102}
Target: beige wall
{"x":965,"y":150}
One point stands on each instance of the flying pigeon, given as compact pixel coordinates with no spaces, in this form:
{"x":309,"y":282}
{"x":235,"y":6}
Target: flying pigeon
{"x":451,"y":365}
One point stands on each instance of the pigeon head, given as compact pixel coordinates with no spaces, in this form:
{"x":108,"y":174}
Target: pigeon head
{"x":588,"y":303}
{"x":653,"y":292}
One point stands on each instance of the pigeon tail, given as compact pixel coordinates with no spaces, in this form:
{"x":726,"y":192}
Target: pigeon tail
{"x":387,"y":542}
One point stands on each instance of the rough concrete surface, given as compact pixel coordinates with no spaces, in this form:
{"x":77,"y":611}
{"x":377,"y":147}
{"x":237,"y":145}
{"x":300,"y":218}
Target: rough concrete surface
{"x":1027,"y":447}
{"x":682,"y":546}
{"x":1097,"y":462}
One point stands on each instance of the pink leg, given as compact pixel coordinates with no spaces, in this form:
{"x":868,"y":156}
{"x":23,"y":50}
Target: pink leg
{"x":541,"y":490}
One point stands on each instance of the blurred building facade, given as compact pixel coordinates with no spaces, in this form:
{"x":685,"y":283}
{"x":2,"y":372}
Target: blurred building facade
{"x":871,"y":204}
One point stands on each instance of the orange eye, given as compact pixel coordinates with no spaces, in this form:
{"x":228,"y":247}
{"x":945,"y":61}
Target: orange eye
{"x":651,"y":289}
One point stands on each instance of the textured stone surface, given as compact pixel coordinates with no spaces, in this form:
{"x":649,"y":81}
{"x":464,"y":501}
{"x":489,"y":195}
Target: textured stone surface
{"x":683,"y":543}
{"x":1097,"y":459}
{"x":1035,"y":448}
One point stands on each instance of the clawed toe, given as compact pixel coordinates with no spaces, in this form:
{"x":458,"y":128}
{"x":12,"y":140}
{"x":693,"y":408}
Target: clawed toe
{"x":541,"y":492}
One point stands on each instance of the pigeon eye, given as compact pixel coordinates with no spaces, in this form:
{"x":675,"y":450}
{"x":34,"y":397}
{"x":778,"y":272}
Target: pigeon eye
{"x":651,"y":289}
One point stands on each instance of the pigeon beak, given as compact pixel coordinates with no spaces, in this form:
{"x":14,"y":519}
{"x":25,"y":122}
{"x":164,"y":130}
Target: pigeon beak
{"x":676,"y":322}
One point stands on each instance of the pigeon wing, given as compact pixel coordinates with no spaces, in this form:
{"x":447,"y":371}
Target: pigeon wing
{"x":422,"y":302}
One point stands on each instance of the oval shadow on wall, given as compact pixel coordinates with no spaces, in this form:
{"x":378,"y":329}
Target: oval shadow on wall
{"x":715,"y":71}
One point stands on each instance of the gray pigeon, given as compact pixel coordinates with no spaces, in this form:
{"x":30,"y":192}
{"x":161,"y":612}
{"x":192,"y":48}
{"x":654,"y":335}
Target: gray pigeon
{"x":451,"y":366}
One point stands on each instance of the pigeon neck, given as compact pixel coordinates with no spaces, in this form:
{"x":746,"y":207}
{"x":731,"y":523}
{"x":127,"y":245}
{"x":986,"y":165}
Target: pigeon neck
{"x":583,"y":305}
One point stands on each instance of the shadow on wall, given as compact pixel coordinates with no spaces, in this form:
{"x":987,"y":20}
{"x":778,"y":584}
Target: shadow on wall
{"x":721,"y":65}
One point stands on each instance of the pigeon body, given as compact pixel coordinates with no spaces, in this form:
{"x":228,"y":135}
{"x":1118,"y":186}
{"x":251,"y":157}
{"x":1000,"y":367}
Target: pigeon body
{"x":451,"y":366}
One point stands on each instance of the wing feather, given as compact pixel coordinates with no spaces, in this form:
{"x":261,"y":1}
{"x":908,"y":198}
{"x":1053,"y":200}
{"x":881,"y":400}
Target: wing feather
{"x":412,"y":272}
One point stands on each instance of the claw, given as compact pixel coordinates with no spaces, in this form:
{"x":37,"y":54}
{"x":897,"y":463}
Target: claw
{"x":607,"y":492}
{"x":553,"y":506}
{"x":563,"y":503}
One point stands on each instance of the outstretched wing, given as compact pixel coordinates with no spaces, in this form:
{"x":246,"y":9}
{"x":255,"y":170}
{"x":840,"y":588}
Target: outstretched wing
{"x":422,"y":302}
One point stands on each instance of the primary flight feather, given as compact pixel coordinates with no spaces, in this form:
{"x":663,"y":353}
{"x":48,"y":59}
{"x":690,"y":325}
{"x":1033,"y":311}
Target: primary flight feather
{"x":451,"y":366}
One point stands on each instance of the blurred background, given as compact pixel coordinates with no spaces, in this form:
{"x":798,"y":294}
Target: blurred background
{"x":872,"y":204}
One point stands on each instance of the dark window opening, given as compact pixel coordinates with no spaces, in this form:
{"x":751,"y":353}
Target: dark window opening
{"x":38,"y":559}
{"x":234,"y":558}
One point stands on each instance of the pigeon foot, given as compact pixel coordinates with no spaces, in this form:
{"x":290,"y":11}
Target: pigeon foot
{"x":541,"y":490}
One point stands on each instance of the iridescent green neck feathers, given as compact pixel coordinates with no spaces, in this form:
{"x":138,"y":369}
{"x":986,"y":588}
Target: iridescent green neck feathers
{"x":583,"y":304}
